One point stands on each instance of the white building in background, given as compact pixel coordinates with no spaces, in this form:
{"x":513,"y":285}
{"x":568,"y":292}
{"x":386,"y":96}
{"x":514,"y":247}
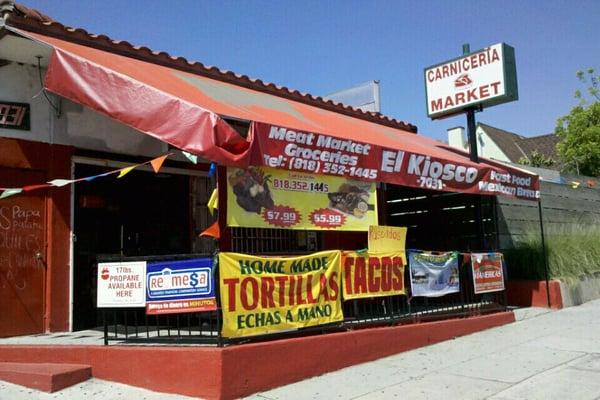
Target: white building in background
{"x":501,"y":145}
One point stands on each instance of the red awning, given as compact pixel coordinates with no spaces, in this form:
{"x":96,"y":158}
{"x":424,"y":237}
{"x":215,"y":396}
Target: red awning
{"x":185,"y":110}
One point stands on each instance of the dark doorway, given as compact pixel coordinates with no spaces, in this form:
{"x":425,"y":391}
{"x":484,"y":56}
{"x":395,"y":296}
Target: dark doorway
{"x":140,"y":214}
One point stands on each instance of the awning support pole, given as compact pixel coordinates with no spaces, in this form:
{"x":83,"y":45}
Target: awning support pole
{"x":471,"y":132}
{"x":544,"y":255}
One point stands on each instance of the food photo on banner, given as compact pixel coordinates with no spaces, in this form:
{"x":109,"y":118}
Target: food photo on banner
{"x":261,"y":295}
{"x":367,"y":274}
{"x":262,"y":197}
{"x":488,"y":274}
{"x":180,"y":286}
{"x":433,"y":275}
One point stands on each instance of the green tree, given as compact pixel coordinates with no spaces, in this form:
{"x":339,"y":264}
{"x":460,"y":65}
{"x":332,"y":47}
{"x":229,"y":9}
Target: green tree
{"x":537,"y":159}
{"x":589,"y":78}
{"x":579,"y":131}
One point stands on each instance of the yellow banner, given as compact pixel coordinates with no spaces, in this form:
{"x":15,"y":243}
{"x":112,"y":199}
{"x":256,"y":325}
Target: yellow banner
{"x":387,"y":238}
{"x":373,"y":274}
{"x":262,"y":295}
{"x":273,"y":198}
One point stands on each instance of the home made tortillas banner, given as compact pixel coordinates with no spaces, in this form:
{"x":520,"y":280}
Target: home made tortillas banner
{"x":262,"y":295}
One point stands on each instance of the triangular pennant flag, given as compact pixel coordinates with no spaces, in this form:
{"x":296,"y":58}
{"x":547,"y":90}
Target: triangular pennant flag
{"x":212,"y":170}
{"x":193,"y":158}
{"x":213,"y":202}
{"x":91,"y":178}
{"x":125,"y":171}
{"x":158,"y":162}
{"x":61,"y":182}
{"x":10,"y":192}
{"x":574,"y":184}
{"x":34,"y":187}
{"x":212,"y":231}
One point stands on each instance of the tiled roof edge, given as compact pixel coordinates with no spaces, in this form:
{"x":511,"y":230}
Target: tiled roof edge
{"x":45,"y":26}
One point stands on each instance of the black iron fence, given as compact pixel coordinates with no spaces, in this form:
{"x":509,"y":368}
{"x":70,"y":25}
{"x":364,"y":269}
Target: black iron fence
{"x":130,"y":325}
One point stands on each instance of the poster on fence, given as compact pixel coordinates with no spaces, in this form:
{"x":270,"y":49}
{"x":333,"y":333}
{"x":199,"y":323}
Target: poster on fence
{"x":372,"y":274}
{"x":272,"y":198}
{"x":488,"y":275}
{"x":261,"y":295}
{"x":180,"y":286}
{"x":386,"y":238}
{"x":433,"y":275}
{"x":121,"y":284}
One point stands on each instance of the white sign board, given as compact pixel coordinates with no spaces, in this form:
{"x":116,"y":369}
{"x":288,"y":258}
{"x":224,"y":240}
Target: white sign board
{"x":122,"y":284}
{"x":483,"y":78}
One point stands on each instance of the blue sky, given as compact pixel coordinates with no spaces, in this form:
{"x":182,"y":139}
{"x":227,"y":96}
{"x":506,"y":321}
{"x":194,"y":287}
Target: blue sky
{"x":324,"y":46}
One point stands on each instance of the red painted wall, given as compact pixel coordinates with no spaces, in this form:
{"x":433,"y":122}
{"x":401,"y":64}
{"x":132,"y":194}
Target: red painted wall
{"x":241,"y":370}
{"x":52,"y":161}
{"x":526,"y":293}
{"x":185,"y":370}
{"x":257,"y":367}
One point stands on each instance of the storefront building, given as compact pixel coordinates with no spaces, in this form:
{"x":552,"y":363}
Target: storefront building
{"x":79,"y":110}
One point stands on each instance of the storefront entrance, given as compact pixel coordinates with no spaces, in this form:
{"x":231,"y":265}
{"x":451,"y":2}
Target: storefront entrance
{"x":141,"y":214}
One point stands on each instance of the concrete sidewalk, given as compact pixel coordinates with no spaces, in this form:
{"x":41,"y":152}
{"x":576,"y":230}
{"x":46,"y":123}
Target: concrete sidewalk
{"x":545,"y":355}
{"x":93,"y":389}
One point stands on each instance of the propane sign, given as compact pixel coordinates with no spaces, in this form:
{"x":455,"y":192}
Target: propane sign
{"x":121,"y":284}
{"x":480,"y":79}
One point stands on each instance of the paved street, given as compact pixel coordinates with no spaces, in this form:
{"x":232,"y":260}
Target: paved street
{"x":545,"y":355}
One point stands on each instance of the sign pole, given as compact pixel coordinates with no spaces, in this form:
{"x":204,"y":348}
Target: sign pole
{"x":471,"y":132}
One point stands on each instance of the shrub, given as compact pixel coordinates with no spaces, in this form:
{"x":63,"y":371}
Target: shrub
{"x":572,"y":251}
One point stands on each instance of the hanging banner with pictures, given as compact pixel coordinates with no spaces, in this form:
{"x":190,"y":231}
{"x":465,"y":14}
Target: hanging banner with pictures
{"x":433,"y":275}
{"x":261,"y":295}
{"x":271,"y":198}
{"x":121,"y":284}
{"x":180,"y":286}
{"x":488,"y":275}
{"x":371,"y":274}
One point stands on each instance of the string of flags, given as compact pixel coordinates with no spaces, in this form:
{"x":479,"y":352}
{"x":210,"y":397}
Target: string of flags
{"x":590,"y":184}
{"x":156,"y":164}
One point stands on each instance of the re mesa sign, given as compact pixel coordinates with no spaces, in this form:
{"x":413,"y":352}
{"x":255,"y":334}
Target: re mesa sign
{"x":481,"y":79}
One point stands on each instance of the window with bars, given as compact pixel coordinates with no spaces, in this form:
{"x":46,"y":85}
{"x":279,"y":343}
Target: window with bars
{"x":274,"y":241}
